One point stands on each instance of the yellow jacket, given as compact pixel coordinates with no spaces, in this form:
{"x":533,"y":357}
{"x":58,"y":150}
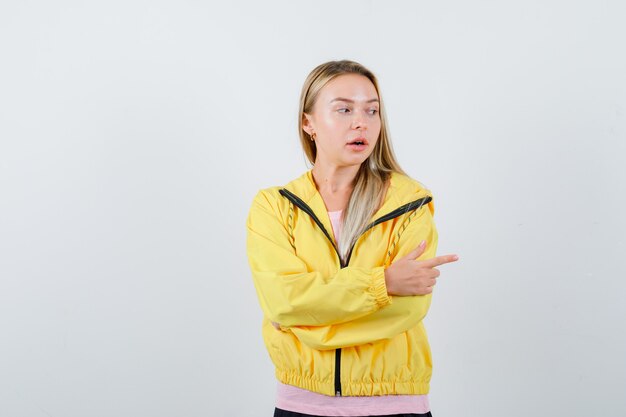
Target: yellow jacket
{"x":340,"y":332}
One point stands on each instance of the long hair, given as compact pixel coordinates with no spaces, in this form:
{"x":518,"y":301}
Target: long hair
{"x":369,"y":183}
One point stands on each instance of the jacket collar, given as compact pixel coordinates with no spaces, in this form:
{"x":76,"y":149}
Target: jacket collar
{"x":402,"y":190}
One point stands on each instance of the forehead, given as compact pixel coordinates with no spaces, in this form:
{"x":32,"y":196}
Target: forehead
{"x":351,"y":86}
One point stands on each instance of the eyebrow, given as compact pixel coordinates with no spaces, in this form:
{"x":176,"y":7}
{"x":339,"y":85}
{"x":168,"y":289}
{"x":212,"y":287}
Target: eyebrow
{"x":352,"y":101}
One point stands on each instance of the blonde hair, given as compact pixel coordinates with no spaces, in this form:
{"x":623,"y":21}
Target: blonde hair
{"x":369,"y":183}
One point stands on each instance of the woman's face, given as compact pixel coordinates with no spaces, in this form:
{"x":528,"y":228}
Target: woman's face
{"x":346,"y":112}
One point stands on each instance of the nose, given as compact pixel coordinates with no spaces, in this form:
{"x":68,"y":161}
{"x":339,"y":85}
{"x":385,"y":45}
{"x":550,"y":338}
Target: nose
{"x":359,"y":122}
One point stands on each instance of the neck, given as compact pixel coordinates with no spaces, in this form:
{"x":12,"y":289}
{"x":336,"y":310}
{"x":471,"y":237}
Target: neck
{"x":334,"y":179}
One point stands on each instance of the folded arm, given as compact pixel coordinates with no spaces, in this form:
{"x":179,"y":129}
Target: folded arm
{"x":292,"y":295}
{"x":404,"y":313}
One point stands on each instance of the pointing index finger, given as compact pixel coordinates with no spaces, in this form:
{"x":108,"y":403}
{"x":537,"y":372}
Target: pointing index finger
{"x":439,"y":260}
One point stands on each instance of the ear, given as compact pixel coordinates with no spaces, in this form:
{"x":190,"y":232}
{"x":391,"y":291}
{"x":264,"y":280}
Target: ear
{"x":307,"y":125}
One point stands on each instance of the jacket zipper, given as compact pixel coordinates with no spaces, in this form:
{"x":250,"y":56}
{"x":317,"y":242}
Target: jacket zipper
{"x":338,"y":372}
{"x":413,"y":205}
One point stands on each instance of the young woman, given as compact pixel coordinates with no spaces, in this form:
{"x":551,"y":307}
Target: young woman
{"x":343,"y":261}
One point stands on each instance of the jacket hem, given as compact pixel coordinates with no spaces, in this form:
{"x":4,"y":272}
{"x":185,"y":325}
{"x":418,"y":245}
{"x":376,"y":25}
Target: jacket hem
{"x":308,"y":383}
{"x":354,"y":389}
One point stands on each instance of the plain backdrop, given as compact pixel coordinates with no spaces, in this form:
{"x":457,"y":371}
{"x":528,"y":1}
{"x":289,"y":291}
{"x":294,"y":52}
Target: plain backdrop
{"x":134,"y":134}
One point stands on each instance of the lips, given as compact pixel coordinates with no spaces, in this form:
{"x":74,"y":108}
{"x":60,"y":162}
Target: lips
{"x":358,"y":145}
{"x":359,"y":141}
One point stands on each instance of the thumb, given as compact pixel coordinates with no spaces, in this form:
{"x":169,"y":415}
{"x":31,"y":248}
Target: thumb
{"x":415,"y":253}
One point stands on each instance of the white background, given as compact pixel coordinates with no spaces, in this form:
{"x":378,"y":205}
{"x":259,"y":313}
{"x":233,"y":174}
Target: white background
{"x":134,"y":134}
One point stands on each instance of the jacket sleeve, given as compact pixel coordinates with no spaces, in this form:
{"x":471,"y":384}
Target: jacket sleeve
{"x":289,"y":293}
{"x":402,"y":314}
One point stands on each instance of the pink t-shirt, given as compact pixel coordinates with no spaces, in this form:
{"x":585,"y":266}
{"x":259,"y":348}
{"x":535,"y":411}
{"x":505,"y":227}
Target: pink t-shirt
{"x":299,"y":400}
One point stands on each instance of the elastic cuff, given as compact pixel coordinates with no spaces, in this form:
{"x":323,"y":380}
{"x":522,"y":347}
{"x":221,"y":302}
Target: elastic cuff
{"x":378,"y":287}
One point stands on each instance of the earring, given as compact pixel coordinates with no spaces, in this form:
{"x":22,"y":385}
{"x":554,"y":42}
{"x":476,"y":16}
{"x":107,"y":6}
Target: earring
{"x":313,"y":136}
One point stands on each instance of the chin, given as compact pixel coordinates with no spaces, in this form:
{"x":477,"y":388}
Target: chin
{"x":359,"y":159}
{"x":354,"y":162}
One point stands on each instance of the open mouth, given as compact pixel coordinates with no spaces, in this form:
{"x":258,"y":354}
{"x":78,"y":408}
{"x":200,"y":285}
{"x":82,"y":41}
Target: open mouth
{"x":358,"y":145}
{"x":359,"y":142}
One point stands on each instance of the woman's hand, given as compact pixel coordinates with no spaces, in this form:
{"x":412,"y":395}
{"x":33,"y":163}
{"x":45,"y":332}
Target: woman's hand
{"x":410,"y":277}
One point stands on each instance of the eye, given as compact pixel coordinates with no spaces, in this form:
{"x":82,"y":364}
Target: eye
{"x":343,"y":108}
{"x":373,"y":111}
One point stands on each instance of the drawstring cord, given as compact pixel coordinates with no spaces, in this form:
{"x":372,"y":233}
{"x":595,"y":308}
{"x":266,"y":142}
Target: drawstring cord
{"x":290,"y":226}
{"x":403,"y":226}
